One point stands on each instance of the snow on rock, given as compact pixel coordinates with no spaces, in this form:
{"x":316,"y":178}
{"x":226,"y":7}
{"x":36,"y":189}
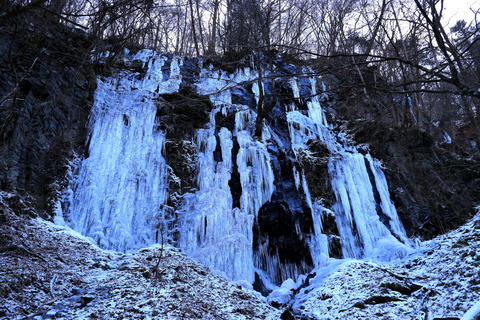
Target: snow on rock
{"x":441,"y":280}
{"x":282,"y":295}
{"x":51,"y":272}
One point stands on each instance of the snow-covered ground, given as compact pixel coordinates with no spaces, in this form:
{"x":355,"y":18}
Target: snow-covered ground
{"x":440,"y":281}
{"x":51,"y":272}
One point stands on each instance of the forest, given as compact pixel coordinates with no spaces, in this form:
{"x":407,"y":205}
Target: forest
{"x":405,"y":49}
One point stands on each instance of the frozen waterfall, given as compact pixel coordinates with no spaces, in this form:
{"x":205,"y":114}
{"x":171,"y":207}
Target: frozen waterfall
{"x":118,"y":194}
{"x":212,"y":229}
{"x":366,"y":218}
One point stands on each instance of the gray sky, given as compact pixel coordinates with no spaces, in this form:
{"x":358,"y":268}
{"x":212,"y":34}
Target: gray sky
{"x":459,"y":9}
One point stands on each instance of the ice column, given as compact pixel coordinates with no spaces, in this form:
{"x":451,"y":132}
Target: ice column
{"x":118,"y":193}
{"x":211,"y":230}
{"x":366,"y":218}
{"x":303,"y":128}
{"x":253,"y":161}
{"x":368,"y":225}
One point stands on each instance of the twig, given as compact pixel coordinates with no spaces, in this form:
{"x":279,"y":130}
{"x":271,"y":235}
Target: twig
{"x":156,"y":272}
{"x":52,"y":283}
{"x":64,"y":18}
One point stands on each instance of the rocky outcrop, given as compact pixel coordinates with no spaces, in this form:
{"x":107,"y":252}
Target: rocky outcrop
{"x":431,"y":160}
{"x":46,"y":91}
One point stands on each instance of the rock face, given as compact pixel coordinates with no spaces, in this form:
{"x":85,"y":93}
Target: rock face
{"x":431,"y":161}
{"x":46,"y":90}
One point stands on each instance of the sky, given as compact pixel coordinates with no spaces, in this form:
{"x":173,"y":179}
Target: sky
{"x":460,"y":9}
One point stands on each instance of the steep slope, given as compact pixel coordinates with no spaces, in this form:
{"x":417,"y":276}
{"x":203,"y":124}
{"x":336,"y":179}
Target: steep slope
{"x":46,"y":93}
{"x":431,"y":158}
{"x":50,"y":272}
{"x":440,"y":281}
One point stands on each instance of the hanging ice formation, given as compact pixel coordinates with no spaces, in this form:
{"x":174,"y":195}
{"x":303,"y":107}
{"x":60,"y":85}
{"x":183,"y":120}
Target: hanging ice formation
{"x":216,"y":227}
{"x":244,"y":217}
{"x":117,"y":195}
{"x":367,"y":220}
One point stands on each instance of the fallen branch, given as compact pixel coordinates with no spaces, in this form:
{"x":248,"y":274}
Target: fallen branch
{"x":52,"y":283}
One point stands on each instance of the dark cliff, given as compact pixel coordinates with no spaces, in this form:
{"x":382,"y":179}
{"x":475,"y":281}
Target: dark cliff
{"x":46,"y":85}
{"x":432,"y":161}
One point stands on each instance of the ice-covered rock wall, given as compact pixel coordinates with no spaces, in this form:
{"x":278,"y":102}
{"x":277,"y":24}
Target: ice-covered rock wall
{"x":117,"y":193}
{"x":253,"y":215}
{"x":216,"y":223}
{"x":367,"y":221}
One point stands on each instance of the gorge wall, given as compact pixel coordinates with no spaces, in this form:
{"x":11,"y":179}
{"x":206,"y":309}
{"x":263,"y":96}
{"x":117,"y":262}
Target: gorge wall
{"x":224,"y":195}
{"x":46,"y":92}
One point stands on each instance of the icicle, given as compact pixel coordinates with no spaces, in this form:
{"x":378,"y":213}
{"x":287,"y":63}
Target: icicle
{"x":120,"y":189}
{"x":395,"y":226}
{"x":319,"y":242}
{"x":447,"y":138}
{"x":294,"y":85}
{"x":367,"y":221}
{"x":211,"y":230}
{"x":296,"y":177}
{"x":359,"y":214}
{"x":315,"y":112}
{"x":254,"y":166}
